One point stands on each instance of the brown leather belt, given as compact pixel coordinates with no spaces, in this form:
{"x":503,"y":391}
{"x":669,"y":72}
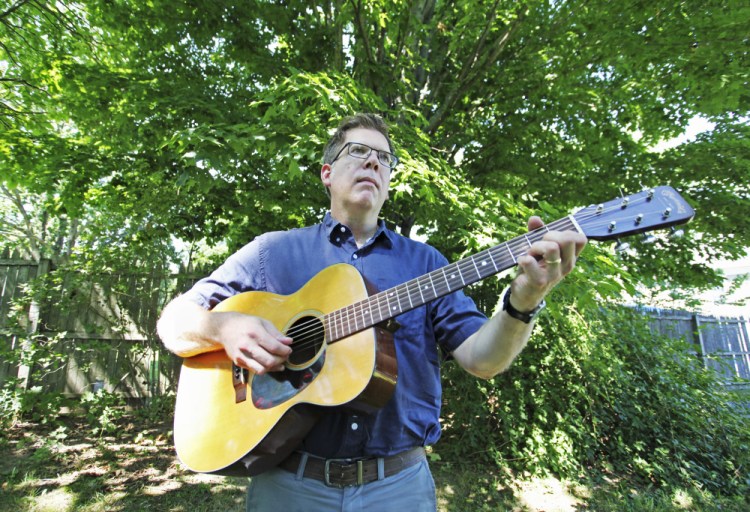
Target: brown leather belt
{"x":350,"y":472}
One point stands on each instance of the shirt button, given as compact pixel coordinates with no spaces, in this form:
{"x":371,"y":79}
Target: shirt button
{"x":338,"y":238}
{"x":355,"y":426}
{"x":343,"y":229}
{"x":355,"y":256}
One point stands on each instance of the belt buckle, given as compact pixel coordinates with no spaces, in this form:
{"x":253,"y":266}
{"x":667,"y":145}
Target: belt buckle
{"x":342,"y":462}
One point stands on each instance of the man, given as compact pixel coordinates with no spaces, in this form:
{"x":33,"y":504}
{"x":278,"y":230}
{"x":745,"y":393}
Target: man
{"x":387,"y":446}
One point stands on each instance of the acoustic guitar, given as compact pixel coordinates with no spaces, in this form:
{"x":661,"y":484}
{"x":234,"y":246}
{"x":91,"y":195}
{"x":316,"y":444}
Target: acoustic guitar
{"x":229,"y":421}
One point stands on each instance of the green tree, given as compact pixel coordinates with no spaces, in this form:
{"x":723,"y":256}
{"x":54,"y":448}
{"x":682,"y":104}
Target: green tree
{"x":204,"y":119}
{"x":129,"y":126}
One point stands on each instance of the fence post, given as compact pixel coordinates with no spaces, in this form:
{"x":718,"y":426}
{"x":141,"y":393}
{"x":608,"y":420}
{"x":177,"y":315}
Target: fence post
{"x":699,"y":336}
{"x":24,"y":370}
{"x":744,"y":351}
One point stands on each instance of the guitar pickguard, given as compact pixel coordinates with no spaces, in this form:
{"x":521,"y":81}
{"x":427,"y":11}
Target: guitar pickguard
{"x":304,"y":365}
{"x":274,"y":388}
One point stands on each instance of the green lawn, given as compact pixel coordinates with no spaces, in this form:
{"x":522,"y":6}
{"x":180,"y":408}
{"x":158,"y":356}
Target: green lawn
{"x":66,"y":468}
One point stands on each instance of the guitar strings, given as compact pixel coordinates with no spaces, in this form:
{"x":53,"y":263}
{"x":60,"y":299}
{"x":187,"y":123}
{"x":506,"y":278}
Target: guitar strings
{"x":346,"y":321}
{"x":384,"y":299}
{"x":316,"y":328}
{"x":408,"y":289}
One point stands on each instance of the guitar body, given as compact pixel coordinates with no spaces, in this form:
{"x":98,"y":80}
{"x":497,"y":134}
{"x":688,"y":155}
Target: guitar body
{"x":232,"y":422}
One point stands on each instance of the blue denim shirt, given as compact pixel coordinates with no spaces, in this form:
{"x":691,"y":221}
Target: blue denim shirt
{"x":282,"y":262}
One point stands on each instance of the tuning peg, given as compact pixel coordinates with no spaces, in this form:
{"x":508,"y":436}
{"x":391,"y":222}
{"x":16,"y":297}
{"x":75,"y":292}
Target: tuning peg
{"x":621,"y":246}
{"x":648,"y":238}
{"x":676,"y":233}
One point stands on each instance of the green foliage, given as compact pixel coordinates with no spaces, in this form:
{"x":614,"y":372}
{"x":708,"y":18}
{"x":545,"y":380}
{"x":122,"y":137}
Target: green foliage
{"x":688,"y":431}
{"x":602,"y":393}
{"x":94,"y":306}
{"x":132,"y":146}
{"x":103,"y":409}
{"x":205,"y":120}
{"x":157,"y":409}
{"x":34,"y":404}
{"x":30,"y":398}
{"x":61,"y":469}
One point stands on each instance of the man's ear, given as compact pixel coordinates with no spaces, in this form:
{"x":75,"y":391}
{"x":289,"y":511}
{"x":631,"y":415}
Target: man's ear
{"x":325,"y":175}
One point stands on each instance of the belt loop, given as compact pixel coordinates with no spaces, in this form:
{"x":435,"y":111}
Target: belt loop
{"x":381,"y":468}
{"x":302,"y":465}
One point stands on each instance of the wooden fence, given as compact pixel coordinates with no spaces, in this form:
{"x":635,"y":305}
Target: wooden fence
{"x":15,"y":273}
{"x":104,"y":330}
{"x":722,"y":342}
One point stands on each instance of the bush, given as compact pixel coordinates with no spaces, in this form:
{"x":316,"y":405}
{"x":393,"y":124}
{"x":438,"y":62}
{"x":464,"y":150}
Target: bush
{"x":33,"y":404}
{"x":602,"y":393}
{"x":103,"y":409}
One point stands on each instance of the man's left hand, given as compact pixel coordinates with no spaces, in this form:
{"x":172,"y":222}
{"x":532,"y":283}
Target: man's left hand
{"x":545,"y":264}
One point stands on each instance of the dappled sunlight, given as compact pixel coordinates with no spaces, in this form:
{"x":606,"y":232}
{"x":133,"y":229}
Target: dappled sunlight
{"x":135,"y":469}
{"x":161,"y":488}
{"x":72,"y":470}
{"x":461,"y":489}
{"x":56,"y":500}
{"x":682,"y":500}
{"x":442,"y":497}
{"x":548,"y":495}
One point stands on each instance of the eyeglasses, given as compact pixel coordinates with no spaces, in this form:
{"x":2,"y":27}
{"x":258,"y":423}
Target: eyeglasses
{"x":362,"y":151}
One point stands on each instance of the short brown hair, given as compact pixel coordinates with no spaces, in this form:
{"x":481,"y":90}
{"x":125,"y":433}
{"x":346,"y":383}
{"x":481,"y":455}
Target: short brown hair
{"x":369,"y":121}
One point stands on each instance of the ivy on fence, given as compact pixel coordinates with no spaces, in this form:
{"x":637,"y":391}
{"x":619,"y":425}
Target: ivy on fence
{"x":67,"y":331}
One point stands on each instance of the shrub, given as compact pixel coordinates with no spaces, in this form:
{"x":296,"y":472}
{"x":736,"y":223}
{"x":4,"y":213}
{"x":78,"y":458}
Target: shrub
{"x":600,"y":393}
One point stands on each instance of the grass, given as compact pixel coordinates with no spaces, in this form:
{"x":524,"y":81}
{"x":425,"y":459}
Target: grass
{"x":66,"y":467}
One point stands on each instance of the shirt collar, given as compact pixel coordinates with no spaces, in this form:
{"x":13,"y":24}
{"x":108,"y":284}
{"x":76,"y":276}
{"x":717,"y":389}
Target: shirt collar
{"x":331,"y":227}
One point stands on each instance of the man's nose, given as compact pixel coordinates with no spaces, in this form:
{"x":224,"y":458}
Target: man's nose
{"x":372,"y":161}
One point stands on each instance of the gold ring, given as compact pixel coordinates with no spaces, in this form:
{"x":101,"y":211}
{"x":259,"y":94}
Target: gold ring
{"x":553,"y":262}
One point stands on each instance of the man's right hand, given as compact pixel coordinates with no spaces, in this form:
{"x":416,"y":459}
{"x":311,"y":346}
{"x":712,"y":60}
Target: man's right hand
{"x":252,"y":342}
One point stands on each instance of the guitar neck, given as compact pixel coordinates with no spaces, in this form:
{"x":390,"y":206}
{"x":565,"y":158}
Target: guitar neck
{"x":412,"y":294}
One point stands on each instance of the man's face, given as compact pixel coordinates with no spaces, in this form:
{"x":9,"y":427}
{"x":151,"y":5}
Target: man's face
{"x":356,"y":184}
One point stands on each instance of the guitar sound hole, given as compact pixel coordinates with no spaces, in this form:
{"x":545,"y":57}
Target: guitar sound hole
{"x":308,"y":337}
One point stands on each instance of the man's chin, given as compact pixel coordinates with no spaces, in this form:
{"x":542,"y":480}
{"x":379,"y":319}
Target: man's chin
{"x":367,"y":199}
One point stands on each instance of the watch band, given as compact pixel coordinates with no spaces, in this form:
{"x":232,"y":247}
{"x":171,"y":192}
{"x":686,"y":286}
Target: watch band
{"x":519,"y":315}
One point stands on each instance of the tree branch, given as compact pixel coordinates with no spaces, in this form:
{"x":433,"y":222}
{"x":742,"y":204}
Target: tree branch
{"x":11,"y":228}
{"x":472,"y":72}
{"x":363,"y":31}
{"x":337,"y":28}
{"x":8,"y":107}
{"x":13,"y":8}
{"x":21,"y":81}
{"x":422,"y":11}
{"x":15,"y":198}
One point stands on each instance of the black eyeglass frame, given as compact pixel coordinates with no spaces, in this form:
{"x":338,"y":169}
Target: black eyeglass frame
{"x":380,"y":152}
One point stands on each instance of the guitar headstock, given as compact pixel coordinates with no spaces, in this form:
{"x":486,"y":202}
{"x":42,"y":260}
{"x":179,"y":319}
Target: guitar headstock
{"x":655,"y":208}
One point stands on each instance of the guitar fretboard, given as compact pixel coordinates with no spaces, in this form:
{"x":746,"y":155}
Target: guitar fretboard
{"x":390,"y":303}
